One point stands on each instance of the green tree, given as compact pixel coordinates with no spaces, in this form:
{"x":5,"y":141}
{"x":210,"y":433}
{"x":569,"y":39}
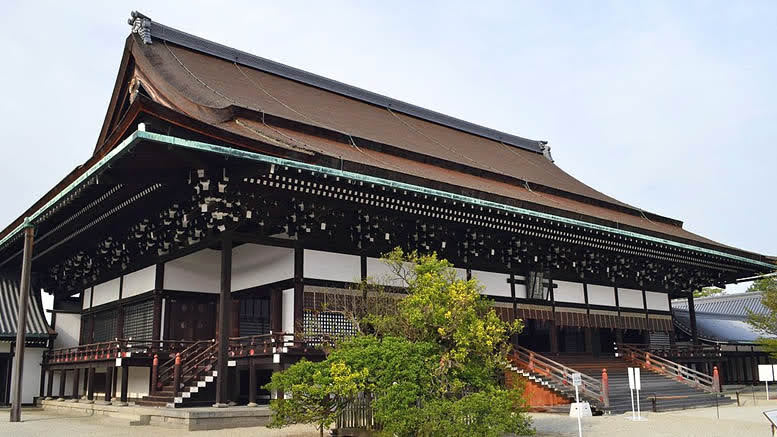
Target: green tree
{"x":766,"y":324}
{"x":318,"y":392}
{"x":764,"y":284}
{"x":432,"y":365}
{"x":707,"y":292}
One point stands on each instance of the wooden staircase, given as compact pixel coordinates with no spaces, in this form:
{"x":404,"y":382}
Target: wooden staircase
{"x":186,"y":380}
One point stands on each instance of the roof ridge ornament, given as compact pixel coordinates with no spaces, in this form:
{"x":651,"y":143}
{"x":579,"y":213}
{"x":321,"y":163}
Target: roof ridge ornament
{"x":141,"y":25}
{"x":545,"y":149}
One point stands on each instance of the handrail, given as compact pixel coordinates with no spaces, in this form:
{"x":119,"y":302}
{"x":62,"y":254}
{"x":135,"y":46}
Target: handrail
{"x":117,"y":348}
{"x":166,"y":369}
{"x":659,"y":364}
{"x":559,"y":373}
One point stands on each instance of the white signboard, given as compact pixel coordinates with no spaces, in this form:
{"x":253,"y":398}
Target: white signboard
{"x":635,"y":383}
{"x":765,"y":373}
{"x":577,"y":380}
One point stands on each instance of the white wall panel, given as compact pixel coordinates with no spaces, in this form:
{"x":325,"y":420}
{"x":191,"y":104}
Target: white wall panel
{"x":332,"y":266}
{"x":378,"y":271}
{"x":68,"y":329}
{"x":287,"y":310}
{"x":629,"y":298}
{"x":255,"y":264}
{"x":139,"y":282}
{"x":601,"y":295}
{"x":33,"y":357}
{"x":87,"y":298}
{"x":568,"y":292}
{"x":199,"y":271}
{"x":106,"y":292}
{"x":520,"y":289}
{"x":657,"y":301}
{"x":137,"y":384}
{"x":495,"y":283}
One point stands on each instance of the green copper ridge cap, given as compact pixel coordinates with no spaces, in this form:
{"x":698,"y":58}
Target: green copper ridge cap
{"x":140,"y":135}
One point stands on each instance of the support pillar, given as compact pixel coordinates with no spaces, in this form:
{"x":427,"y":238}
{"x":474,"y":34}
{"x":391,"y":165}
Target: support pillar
{"x":251,"y":383}
{"x":124,"y":386}
{"x":589,"y":343}
{"x":90,"y":386}
{"x":299,"y":287}
{"x":24,"y":295}
{"x":225,"y":308}
{"x":62,"y":377}
{"x":692,"y":314}
{"x":76,"y":377}
{"x":108,"y":384}
{"x":49,"y":384}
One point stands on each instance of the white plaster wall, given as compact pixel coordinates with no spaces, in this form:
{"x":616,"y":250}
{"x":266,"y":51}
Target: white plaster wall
{"x":87,"y":297}
{"x":106,"y":292}
{"x":378,"y":271}
{"x":568,"y":292}
{"x":657,"y":301}
{"x":137,"y":385}
{"x":68,"y":329}
{"x":601,"y":295}
{"x":139,"y":282}
{"x":287,"y":310}
{"x":630,"y":298}
{"x":332,"y":266}
{"x":495,"y":283}
{"x":198,"y":271}
{"x":520,"y":289}
{"x":256,"y":264}
{"x":5,"y":348}
{"x":30,"y":374}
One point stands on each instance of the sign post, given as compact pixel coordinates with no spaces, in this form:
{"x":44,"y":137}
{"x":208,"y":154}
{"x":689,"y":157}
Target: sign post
{"x":635,"y":384}
{"x":766,"y":374}
{"x":576,"y":381}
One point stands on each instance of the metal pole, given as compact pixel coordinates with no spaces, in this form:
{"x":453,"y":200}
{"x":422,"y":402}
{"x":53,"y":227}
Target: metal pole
{"x":21,"y":326}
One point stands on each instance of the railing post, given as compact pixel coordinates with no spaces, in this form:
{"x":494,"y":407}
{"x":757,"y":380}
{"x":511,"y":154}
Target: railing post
{"x":531,"y":361}
{"x":177,"y":374}
{"x":154,"y":373}
{"x":715,"y":379}
{"x":647,"y":360}
{"x":605,"y":389}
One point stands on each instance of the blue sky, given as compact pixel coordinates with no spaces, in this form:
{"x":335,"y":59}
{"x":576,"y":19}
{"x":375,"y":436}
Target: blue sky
{"x":670,"y":106}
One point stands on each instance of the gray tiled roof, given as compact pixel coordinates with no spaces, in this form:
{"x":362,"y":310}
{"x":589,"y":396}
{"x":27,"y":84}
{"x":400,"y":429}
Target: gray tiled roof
{"x":37,"y":327}
{"x":727,"y":304}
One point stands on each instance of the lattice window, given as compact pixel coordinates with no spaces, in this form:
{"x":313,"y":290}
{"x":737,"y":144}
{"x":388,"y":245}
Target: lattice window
{"x":105,"y":326}
{"x":327,"y":323}
{"x":86,"y":326}
{"x":139,"y":320}
{"x":254,"y":316}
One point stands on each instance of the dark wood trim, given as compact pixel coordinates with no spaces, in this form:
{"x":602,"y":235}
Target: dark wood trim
{"x":299,"y":285}
{"x":363,"y":265}
{"x":225,"y":311}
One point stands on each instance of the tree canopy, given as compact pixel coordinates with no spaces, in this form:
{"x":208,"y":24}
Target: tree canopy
{"x":432,"y":366}
{"x":708,"y":291}
{"x":766,"y":324}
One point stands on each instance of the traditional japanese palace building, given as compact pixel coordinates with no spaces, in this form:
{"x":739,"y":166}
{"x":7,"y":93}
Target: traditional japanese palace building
{"x":230,"y":201}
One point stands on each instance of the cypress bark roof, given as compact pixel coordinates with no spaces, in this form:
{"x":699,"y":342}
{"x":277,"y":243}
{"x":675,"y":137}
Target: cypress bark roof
{"x":37,"y":326}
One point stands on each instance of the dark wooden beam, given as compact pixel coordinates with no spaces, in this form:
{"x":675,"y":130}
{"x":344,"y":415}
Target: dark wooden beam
{"x":692,"y":314}
{"x":299,"y":286}
{"x":225,"y":309}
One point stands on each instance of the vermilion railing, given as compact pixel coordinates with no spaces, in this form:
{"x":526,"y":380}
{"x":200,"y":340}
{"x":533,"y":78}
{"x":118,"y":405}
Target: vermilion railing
{"x":561,"y":375}
{"x":649,"y":360}
{"x":118,"y":348}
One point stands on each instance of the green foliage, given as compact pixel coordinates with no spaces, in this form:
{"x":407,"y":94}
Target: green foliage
{"x":708,"y":291}
{"x":766,"y":324}
{"x":433,"y":364}
{"x":765,"y":284}
{"x":318,"y":392}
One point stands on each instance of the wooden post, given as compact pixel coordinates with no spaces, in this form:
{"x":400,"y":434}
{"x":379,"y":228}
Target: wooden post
{"x":108,"y":384}
{"x":76,"y":377}
{"x":692,"y":314}
{"x":49,"y":384}
{"x":299,"y":287}
{"x":154,"y":374}
{"x":605,"y":389}
{"x":177,"y":374}
{"x":715,"y":379}
{"x":62,"y":377}
{"x":90,"y":386}
{"x":251,"y":383}
{"x":225,"y":308}
{"x":124,"y":385}
{"x":21,"y":331}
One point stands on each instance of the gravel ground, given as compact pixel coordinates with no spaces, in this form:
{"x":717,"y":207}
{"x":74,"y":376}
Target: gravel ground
{"x":745,"y":421}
